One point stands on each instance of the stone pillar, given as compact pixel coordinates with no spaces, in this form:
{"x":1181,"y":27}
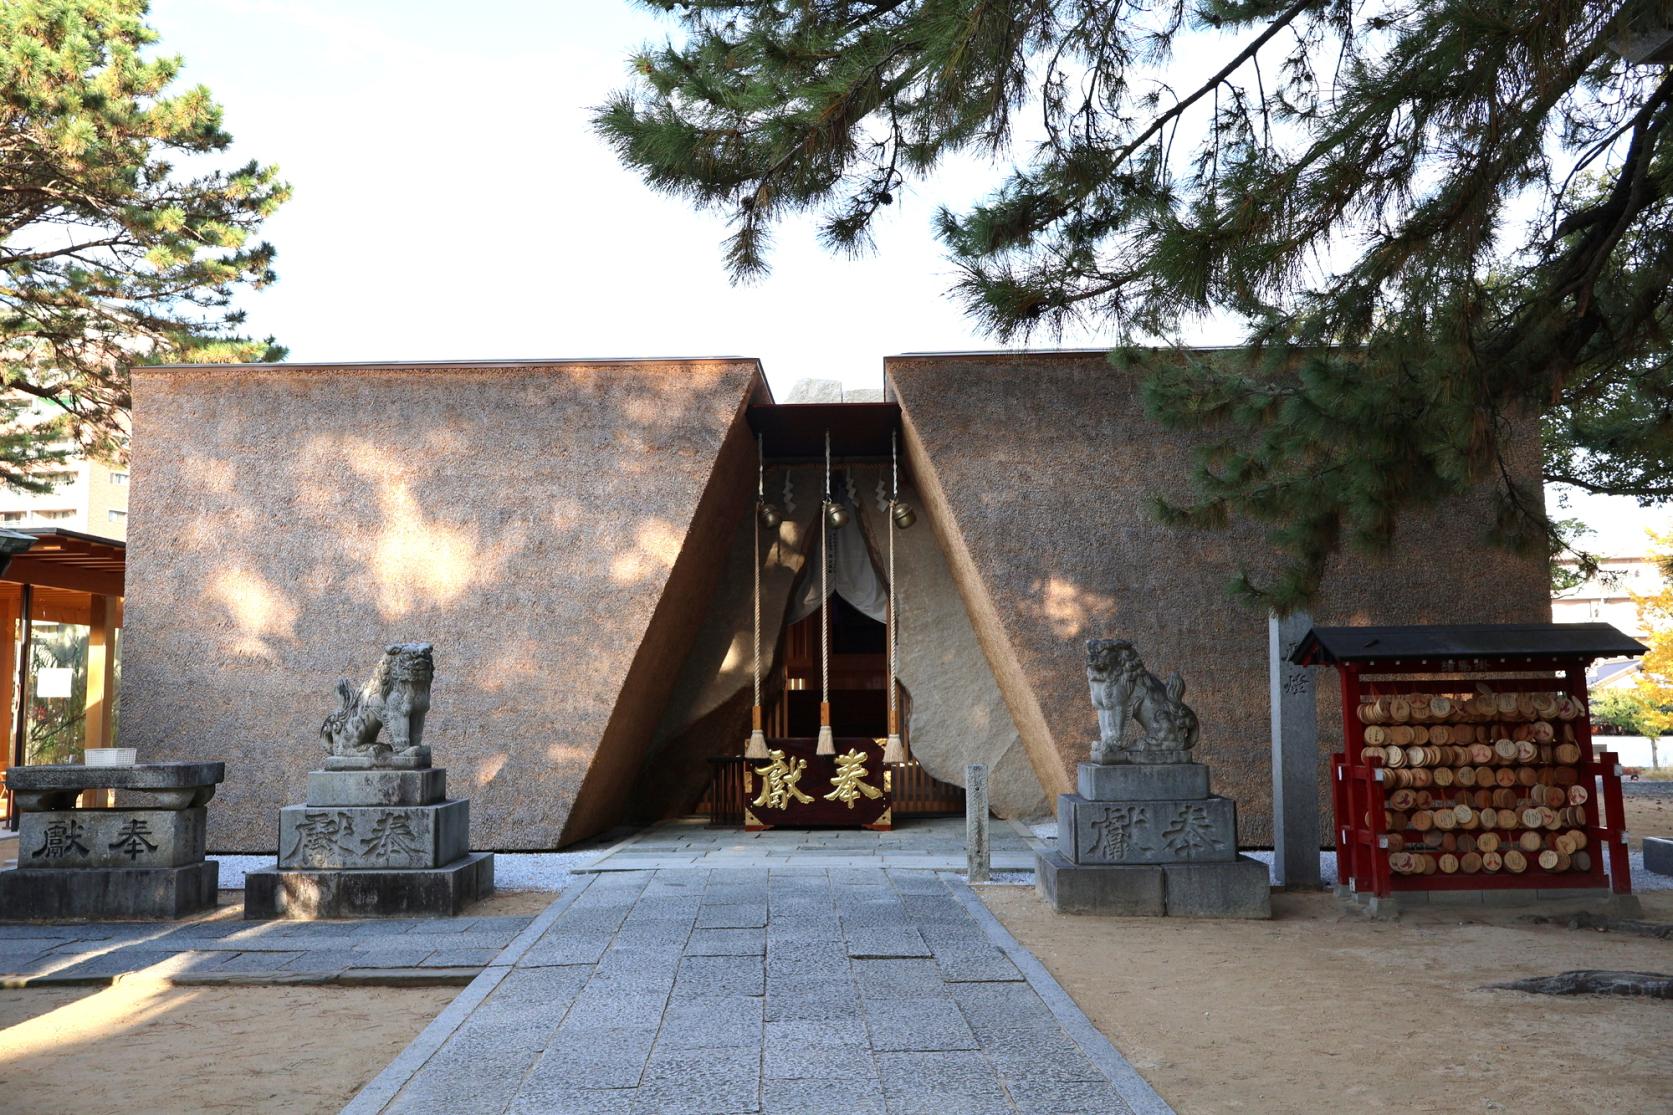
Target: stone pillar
{"x":976,"y":821}
{"x":1295,"y":756}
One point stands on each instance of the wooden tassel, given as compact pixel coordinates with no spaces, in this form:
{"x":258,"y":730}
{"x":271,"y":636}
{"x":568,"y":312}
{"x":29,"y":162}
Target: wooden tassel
{"x":827,"y":743}
{"x":895,"y":750}
{"x":756,"y":748}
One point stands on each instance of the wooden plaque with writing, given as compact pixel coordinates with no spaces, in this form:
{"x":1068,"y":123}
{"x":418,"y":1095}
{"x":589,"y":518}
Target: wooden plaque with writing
{"x":797,"y":788}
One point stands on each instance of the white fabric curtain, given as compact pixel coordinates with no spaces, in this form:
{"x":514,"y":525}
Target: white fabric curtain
{"x":851,"y":576}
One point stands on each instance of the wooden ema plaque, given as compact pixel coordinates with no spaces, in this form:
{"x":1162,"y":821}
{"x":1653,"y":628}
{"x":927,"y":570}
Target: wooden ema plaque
{"x":797,"y":788}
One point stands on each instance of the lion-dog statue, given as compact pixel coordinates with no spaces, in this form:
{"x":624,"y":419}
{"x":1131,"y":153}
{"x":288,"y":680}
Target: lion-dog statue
{"x":396,"y":698}
{"x":1122,"y":690}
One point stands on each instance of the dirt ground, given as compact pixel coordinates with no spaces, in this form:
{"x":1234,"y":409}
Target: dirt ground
{"x":242,"y":1049}
{"x":1323,"y":1010}
{"x":1648,"y":816}
{"x":131,"y":1049}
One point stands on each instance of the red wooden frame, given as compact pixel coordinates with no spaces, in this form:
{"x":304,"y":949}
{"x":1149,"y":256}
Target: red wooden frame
{"x":1356,"y":782}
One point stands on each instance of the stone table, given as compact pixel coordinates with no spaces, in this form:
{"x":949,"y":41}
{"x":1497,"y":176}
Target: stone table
{"x":141,"y":859}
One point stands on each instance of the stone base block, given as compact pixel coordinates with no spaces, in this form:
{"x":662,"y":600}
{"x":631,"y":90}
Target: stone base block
{"x":99,"y":838}
{"x":373,"y":837}
{"x":1658,"y":855}
{"x":418,"y":760}
{"x":1240,"y":889}
{"x":433,"y":892}
{"x":1112,"y":891}
{"x":1134,"y":755}
{"x":104,"y":893}
{"x":377,"y":787}
{"x":1148,"y":832}
{"x":1192,"y":890}
{"x":1142,"y":781}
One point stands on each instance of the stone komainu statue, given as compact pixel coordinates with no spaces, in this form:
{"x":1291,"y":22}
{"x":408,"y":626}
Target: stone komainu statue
{"x":396,"y":698}
{"x":1123,"y":689}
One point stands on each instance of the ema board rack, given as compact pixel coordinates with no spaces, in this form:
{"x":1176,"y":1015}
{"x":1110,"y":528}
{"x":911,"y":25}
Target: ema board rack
{"x":1467,"y":759}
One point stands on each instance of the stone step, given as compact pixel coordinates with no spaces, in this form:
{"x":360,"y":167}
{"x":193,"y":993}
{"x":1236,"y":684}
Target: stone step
{"x":376,"y":787}
{"x":88,"y":839}
{"x":373,"y":837}
{"x":1146,"y":832}
{"x":438,"y":891}
{"x":52,"y":893}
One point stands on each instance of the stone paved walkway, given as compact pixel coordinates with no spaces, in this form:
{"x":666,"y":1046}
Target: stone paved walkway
{"x":929,"y":843}
{"x":227,"y":950}
{"x":805,"y":989}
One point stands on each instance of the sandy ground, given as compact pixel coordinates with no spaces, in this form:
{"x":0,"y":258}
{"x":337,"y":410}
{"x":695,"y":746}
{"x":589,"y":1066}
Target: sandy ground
{"x":237,"y":1049}
{"x":1322,"y":1010}
{"x":1648,"y":816}
{"x":131,"y":1050}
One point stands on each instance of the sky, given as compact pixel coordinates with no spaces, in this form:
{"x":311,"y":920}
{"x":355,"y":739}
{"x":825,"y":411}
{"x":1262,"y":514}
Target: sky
{"x":452,"y":202}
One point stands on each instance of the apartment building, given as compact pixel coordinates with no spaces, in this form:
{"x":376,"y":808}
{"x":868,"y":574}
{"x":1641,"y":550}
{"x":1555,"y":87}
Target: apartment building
{"x":88,"y":496}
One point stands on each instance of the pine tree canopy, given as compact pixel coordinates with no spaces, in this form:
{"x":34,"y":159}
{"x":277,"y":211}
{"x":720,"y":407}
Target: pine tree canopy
{"x":1446,"y":225}
{"x":109,"y":255}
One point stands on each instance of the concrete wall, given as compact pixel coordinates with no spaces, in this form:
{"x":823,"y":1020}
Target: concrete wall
{"x":552,"y":528}
{"x":1037,"y":469}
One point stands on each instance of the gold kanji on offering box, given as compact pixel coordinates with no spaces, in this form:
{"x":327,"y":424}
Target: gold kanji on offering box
{"x":796,"y":787}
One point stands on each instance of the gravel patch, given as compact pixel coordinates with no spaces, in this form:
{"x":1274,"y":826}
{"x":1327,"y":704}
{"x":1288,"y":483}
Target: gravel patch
{"x":234,"y":868}
{"x":1644,"y":879}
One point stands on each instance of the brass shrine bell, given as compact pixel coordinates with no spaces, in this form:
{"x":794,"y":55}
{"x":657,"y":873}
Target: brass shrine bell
{"x":836,"y":515}
{"x":902,"y":515}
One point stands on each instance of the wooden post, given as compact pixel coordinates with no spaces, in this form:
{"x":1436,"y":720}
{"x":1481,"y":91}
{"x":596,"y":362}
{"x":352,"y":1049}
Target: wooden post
{"x":8,"y":687}
{"x":976,"y":822}
{"x":20,"y":725}
{"x":101,"y":671}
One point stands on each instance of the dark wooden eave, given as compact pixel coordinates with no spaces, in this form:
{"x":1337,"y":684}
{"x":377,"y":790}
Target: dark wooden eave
{"x":796,"y":431}
{"x":1328,"y":646}
{"x":69,"y":559}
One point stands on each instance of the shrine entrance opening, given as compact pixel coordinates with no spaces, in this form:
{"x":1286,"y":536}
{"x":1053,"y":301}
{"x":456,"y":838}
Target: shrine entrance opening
{"x":859,"y":674}
{"x":829,"y":742}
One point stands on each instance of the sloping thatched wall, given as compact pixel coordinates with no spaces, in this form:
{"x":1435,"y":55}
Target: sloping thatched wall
{"x":1037,"y":469}
{"x":550,"y":527}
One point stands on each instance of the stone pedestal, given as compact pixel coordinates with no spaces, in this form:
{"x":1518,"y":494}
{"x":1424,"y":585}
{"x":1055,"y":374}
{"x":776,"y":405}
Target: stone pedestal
{"x":372,"y":843}
{"x":1148,"y":839}
{"x":143,"y":859}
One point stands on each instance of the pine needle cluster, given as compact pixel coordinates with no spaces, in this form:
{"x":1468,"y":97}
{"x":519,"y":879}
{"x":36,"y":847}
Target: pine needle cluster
{"x":1448,"y":225}
{"x":110,"y":255}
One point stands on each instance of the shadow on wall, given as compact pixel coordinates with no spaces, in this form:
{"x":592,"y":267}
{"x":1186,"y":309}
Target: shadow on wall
{"x":287,"y":524}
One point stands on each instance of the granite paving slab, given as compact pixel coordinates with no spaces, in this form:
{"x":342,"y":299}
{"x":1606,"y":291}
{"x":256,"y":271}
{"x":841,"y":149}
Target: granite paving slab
{"x":844,"y":1092}
{"x":898,"y":995}
{"x":727,"y":942}
{"x":87,"y":953}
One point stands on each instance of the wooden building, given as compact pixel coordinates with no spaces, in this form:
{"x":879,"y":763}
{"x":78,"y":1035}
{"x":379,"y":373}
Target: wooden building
{"x":60,"y":621}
